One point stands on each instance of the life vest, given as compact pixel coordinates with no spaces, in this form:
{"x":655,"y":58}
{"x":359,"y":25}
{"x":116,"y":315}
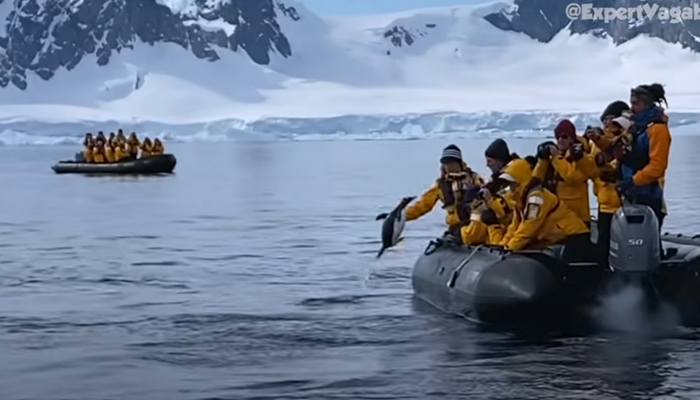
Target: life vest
{"x":458,"y":193}
{"x":636,"y":158}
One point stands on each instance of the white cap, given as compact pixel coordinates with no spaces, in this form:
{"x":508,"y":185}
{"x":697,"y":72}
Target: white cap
{"x":623,"y":122}
{"x":507,"y":177}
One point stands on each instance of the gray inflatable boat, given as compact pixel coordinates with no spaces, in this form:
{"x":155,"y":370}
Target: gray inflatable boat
{"x":158,"y":164}
{"x":538,"y":289}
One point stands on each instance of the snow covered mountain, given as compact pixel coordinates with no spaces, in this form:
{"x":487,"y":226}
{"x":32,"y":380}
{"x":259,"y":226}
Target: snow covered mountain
{"x":543,"y":20}
{"x":233,"y":68}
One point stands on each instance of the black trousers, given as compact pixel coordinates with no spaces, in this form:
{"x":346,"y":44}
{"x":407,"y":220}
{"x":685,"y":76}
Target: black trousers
{"x":656,"y":204}
{"x":603,"y":244}
{"x":579,"y":248}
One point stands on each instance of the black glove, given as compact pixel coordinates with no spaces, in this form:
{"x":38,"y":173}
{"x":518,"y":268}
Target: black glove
{"x":543,"y":152}
{"x":498,"y":247}
{"x":450,"y":236}
{"x":382,"y":216}
{"x":577,"y":151}
{"x":471,"y":194}
{"x":489,"y":217}
{"x":608,"y":176}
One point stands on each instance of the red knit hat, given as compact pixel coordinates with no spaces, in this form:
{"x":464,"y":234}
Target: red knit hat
{"x":565,"y":128}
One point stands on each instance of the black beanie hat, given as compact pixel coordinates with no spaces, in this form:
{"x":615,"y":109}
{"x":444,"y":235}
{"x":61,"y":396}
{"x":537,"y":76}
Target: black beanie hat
{"x":498,"y":150}
{"x":616,"y":108}
{"x":451,"y":153}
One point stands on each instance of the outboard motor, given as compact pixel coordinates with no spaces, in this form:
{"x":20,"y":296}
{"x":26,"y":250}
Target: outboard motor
{"x":635,"y":242}
{"x":635,"y":250}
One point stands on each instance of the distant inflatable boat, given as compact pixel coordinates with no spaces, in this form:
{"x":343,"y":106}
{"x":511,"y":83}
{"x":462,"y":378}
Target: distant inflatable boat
{"x":159,"y":164}
{"x":538,"y":289}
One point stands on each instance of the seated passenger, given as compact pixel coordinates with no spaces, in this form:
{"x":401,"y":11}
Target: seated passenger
{"x":558,"y":170}
{"x":490,"y":217}
{"x":158,"y":147}
{"x":101,"y":135}
{"x":112,"y":137}
{"x":98,"y":152}
{"x":120,"y":137}
{"x":498,"y":156}
{"x":540,"y":219}
{"x":133,"y":145}
{"x":456,"y":188}
{"x":120,"y":151}
{"x":88,"y":144}
{"x":109,"y":151}
{"x":146,"y":148}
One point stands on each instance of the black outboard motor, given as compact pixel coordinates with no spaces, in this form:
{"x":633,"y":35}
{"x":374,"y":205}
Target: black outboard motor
{"x":635,"y":248}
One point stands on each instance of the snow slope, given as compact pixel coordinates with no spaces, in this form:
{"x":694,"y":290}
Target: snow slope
{"x":346,"y":79}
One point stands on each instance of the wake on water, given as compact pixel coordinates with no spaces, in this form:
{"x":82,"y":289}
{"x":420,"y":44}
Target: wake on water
{"x":624,"y":311}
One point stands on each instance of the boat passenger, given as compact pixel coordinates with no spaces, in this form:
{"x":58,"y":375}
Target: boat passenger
{"x":110,"y":157}
{"x":146,"y":148}
{"x":498,"y":156}
{"x":456,"y":187}
{"x":540,"y":219}
{"x":120,"y":137}
{"x":490,"y":210}
{"x":607,"y":149}
{"x":490,"y":216}
{"x":643,"y":168}
{"x":133,"y":145}
{"x":158,"y":147}
{"x":111,"y":138}
{"x":101,"y":135}
{"x":88,"y":144}
{"x":558,"y":170}
{"x":120,"y":151}
{"x":98,"y":152}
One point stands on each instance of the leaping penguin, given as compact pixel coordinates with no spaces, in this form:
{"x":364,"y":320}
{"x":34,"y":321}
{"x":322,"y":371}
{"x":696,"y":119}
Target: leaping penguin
{"x":394,"y":223}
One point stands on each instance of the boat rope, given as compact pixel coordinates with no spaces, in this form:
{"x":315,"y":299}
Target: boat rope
{"x":455,"y":273}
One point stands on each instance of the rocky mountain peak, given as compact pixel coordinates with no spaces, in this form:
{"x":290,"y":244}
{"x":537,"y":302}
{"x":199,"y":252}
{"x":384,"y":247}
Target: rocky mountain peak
{"x":41,"y":36}
{"x":543,"y":19}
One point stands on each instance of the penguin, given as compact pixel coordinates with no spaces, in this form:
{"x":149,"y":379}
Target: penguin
{"x":393,"y":225}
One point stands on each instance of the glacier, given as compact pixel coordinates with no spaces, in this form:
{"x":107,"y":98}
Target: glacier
{"x":437,"y":72}
{"x":348,"y":127}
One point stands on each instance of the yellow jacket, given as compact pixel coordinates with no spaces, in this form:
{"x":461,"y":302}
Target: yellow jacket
{"x":430,"y":197}
{"x":572,"y":182}
{"x":87,"y":153}
{"x":119,"y":153}
{"x":539,"y":219}
{"x":477,"y":232}
{"x":98,"y":155}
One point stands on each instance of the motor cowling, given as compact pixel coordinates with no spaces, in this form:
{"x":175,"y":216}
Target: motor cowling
{"x":635,"y":244}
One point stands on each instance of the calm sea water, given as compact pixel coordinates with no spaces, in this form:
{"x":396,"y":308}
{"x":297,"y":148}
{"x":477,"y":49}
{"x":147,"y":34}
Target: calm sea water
{"x":250,"y":274}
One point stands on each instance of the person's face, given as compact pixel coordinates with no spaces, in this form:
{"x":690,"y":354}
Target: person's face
{"x":452,"y":167}
{"x":493,"y":164}
{"x":607,"y":120}
{"x":637,"y":104}
{"x":564,"y":142}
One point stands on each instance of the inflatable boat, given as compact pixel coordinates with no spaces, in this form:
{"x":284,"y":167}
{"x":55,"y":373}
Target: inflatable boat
{"x":539,"y":289}
{"x":158,"y":164}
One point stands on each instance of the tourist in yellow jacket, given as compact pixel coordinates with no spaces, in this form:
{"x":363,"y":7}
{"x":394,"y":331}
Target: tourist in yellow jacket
{"x":540,"y":219}
{"x":456,"y":188}
{"x":558,"y":170}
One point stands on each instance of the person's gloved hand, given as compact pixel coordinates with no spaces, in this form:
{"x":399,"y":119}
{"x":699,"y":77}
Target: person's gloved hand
{"x":608,"y":176}
{"x":625,"y":186}
{"x":382,"y":216}
{"x":543,"y":151}
{"x":498,"y":247}
{"x":471,"y":194}
{"x":577,"y":151}
{"x":452,"y":236}
{"x":489,"y":217}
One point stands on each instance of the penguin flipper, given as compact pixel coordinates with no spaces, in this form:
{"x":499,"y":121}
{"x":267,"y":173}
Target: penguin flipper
{"x":381,"y":216}
{"x":381,"y":251}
